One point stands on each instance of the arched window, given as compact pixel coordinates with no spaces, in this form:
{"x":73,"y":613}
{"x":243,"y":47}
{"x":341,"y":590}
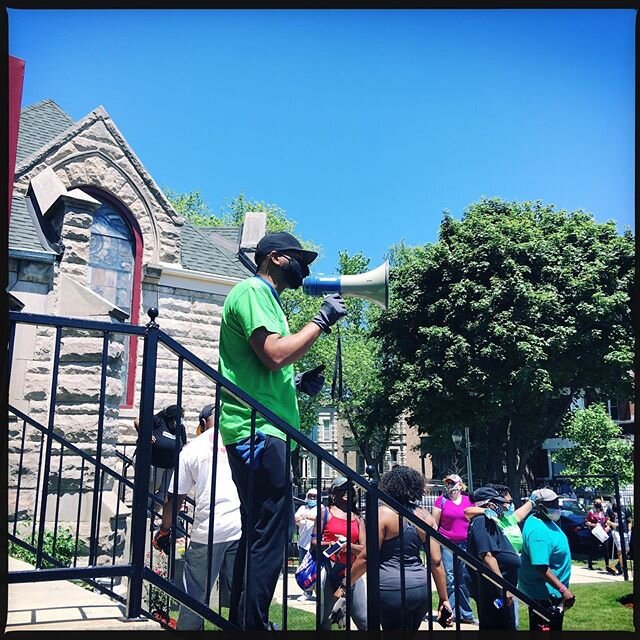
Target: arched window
{"x":115,"y":254}
{"x":111,"y":258}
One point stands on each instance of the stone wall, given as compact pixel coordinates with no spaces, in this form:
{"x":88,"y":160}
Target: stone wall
{"x":193,"y":319}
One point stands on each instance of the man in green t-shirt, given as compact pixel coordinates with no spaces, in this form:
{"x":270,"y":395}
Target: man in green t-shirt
{"x":257,"y":352}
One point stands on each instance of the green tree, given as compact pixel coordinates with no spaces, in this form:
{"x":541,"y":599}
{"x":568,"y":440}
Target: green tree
{"x":598,"y":447}
{"x":503,"y":321}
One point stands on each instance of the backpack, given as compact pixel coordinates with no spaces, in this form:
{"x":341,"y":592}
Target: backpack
{"x":163,"y":449}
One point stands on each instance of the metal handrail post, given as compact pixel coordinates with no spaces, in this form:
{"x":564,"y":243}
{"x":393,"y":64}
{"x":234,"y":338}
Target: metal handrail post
{"x":623,"y":541}
{"x":142,"y":468}
{"x":373,"y":552}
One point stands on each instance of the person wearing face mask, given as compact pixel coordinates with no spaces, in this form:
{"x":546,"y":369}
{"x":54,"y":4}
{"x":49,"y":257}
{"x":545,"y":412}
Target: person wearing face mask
{"x":508,"y":520}
{"x":598,"y":516}
{"x":448,"y":512}
{"x":486,"y":540}
{"x":332,"y":586}
{"x":257,"y":353}
{"x":545,"y":571}
{"x":305,"y":518}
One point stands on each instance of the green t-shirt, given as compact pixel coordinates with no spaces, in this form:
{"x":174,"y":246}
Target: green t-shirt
{"x":252,"y":304}
{"x":543,"y":543}
{"x":508,"y":522}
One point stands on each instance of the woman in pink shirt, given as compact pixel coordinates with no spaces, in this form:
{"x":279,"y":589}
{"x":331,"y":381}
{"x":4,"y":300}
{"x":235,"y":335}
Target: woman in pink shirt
{"x":448,"y":512}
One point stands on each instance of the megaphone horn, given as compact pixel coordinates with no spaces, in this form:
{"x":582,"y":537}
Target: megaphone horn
{"x":372,"y":285}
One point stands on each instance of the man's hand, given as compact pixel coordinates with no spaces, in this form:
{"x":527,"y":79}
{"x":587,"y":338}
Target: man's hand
{"x":244,"y":449}
{"x":310,"y":382}
{"x":331,"y":310}
{"x":568,"y":599}
{"x":162,"y":540}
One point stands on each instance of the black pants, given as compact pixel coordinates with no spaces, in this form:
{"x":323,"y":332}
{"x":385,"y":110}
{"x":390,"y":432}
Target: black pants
{"x":536,"y":623}
{"x":489,"y":616}
{"x":266,"y":510}
{"x":599,"y":549}
{"x":394,"y":618}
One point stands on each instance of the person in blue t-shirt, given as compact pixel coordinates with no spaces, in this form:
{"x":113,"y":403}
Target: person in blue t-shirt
{"x":546,"y":562}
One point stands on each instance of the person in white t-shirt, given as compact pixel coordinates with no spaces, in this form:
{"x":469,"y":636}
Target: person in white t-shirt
{"x":195,"y":472}
{"x":305,"y":519}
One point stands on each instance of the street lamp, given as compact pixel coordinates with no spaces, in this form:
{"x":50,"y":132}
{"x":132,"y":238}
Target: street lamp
{"x":456,"y":436}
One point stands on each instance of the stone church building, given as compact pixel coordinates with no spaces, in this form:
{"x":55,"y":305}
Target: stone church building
{"x":92,"y":236}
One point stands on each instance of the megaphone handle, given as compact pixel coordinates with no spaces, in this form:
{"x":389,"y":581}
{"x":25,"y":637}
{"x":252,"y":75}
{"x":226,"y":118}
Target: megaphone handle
{"x":336,"y":385}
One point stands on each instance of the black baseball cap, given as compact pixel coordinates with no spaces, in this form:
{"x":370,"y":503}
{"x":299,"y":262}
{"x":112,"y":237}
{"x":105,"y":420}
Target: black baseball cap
{"x":282,"y":241}
{"x":207,"y":410}
{"x":486,"y":494}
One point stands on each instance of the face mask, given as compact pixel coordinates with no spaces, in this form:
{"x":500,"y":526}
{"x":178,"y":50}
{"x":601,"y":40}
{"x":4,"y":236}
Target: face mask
{"x":554,"y":514}
{"x":453,"y":489}
{"x":510,"y":509}
{"x":311,"y":503}
{"x":598,"y":507}
{"x":294,"y":273}
{"x":498,"y":509}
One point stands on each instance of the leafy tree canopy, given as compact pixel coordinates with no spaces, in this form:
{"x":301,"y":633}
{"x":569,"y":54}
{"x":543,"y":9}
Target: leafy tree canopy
{"x":503,"y":321}
{"x":598,"y":448}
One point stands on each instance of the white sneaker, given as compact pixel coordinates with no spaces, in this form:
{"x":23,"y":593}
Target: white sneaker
{"x":304,"y":598}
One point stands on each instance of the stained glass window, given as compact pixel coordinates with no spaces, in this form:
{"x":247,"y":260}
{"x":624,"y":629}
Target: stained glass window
{"x":111,"y":263}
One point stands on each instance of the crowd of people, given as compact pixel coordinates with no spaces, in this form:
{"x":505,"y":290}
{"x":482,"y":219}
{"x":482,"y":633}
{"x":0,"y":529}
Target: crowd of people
{"x":244,"y":516}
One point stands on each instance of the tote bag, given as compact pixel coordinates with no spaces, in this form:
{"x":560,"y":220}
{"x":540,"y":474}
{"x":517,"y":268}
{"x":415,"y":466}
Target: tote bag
{"x":307,"y":573}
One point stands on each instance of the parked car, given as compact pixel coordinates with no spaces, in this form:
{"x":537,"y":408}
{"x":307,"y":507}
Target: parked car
{"x":572,"y":522}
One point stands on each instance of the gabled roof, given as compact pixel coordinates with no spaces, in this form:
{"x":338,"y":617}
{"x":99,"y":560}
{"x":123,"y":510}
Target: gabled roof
{"x":209,"y":250}
{"x":39,"y":124}
{"x":200,"y":252}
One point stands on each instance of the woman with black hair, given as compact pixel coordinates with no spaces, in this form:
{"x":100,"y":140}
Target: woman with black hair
{"x":406,"y":485}
{"x":332,"y":586}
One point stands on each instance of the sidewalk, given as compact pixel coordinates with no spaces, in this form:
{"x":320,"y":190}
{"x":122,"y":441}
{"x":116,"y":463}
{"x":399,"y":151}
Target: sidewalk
{"x":65,"y":606}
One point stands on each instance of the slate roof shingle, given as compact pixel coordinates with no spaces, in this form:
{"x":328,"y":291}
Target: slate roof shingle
{"x":200,"y":253}
{"x":22,"y":232}
{"x":39,"y":124}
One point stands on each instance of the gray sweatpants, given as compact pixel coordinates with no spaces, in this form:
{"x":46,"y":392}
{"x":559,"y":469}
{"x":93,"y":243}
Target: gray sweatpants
{"x":194,"y":577}
{"x":358,"y":602}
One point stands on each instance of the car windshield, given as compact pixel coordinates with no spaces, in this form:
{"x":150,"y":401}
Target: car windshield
{"x":574,"y":506}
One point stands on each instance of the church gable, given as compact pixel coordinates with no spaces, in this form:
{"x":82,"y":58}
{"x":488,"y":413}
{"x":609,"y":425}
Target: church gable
{"x":93,"y":153}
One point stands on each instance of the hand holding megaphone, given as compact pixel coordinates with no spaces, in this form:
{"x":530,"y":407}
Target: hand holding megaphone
{"x":332,"y":309}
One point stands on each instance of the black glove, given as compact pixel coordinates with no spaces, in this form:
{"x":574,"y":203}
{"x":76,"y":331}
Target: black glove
{"x":310,"y":382}
{"x":162,"y":540}
{"x":331,"y":310}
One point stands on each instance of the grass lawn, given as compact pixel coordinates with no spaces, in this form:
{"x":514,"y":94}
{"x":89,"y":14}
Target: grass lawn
{"x":596,"y":608}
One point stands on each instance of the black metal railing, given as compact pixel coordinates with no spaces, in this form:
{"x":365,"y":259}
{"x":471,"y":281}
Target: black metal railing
{"x":138,"y":567}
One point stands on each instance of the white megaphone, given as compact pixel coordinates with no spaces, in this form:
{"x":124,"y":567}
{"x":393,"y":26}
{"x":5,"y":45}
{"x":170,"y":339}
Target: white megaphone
{"x":372,"y":285}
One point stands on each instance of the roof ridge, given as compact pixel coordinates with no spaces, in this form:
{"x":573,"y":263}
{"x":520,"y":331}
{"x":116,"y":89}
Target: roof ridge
{"x":44,"y":101}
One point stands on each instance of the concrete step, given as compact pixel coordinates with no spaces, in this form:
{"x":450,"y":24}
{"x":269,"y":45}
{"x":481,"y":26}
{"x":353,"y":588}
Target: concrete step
{"x":65,"y":606}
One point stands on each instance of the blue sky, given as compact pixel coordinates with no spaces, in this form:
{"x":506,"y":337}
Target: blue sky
{"x":363,"y":125}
